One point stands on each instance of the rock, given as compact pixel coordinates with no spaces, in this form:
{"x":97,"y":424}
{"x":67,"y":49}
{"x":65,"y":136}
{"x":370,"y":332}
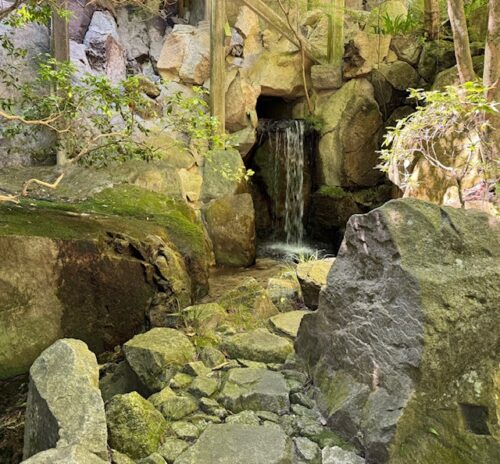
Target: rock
{"x":336,"y":455}
{"x":349,"y":140}
{"x":191,"y":183}
{"x":212,"y":407}
{"x":212,"y":357}
{"x":172,"y":448}
{"x":258,"y":345}
{"x":245,"y":140}
{"x":120,"y":458}
{"x":400,"y":75}
{"x":79,"y":20}
{"x":104,"y":49}
{"x":477,"y":23}
{"x":172,"y":406}
{"x":204,"y":318}
{"x":203,"y":387}
{"x":436,"y":56}
{"x":64,"y":406}
{"x":249,"y":297}
{"x":154,"y":458}
{"x":78,"y":57}
{"x":416,"y":355}
{"x":450,"y":76}
{"x":180,"y":381}
{"x":185,"y":430}
{"x":392,"y":9}
{"x":326,"y":77}
{"x":255,"y":389}
{"x":244,"y":417}
{"x":285,"y":292}
{"x":231,"y":225}
{"x":157,"y":355}
{"x":135,"y":426}
{"x":197,"y":368}
{"x":288,"y":323}
{"x":67,"y":455}
{"x":312,"y":276}
{"x":239,"y":443}
{"x":364,"y":52}
{"x":406,"y":48}
{"x":185,"y":55}
{"x":118,"y":380}
{"x":307,"y":450}
{"x":132,"y":30}
{"x":241,"y":101}
{"x":222,"y":175}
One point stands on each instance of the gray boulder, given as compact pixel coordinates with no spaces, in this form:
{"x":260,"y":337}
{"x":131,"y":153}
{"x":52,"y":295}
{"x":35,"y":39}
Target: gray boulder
{"x":65,"y":406}
{"x":67,"y":455}
{"x":256,"y":390}
{"x":336,"y":455}
{"x":402,"y":346}
{"x":231,"y":226}
{"x":238,"y":443}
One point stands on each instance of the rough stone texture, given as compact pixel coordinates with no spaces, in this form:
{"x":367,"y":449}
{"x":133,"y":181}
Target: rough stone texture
{"x":157,"y":355}
{"x":185,"y":55}
{"x":79,"y":20}
{"x":172,"y":448}
{"x":307,"y":451}
{"x":231,"y":226}
{"x":288,"y":323}
{"x":64,"y":406}
{"x":400,"y":75}
{"x":119,"y":379}
{"x":406,"y":49}
{"x":436,"y":56}
{"x":258,"y":345}
{"x":133,"y":33}
{"x":365,"y":52}
{"x":401,"y":346}
{"x":66,"y":455}
{"x":336,"y":455}
{"x":312,"y":276}
{"x":326,"y":77}
{"x":172,"y":406}
{"x":241,"y":100}
{"x":70,"y":275}
{"x":285,"y":292}
{"x":231,"y":443}
{"x":135,"y":426}
{"x":256,"y":390}
{"x":347,"y":152}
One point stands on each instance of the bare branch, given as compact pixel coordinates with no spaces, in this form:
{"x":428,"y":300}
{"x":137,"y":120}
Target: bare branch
{"x":53,"y":186}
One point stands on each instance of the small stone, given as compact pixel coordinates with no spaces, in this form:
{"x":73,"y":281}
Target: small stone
{"x":295,"y":375}
{"x":258,"y":345}
{"x":203,"y":387}
{"x":158,"y":398}
{"x":294,"y":386}
{"x":178,"y":406}
{"x":307,"y":450}
{"x":244,"y":417}
{"x":337,"y":455}
{"x":120,"y":458}
{"x":300,"y":410}
{"x":154,"y":458}
{"x":212,"y":407}
{"x":312,"y":276}
{"x":172,"y":448}
{"x":67,"y":455}
{"x":204,"y":317}
{"x":309,"y":427}
{"x":268,"y":416}
{"x":135,"y":426}
{"x":181,"y":381}
{"x":288,"y":323}
{"x":288,"y":424}
{"x":285,"y":292}
{"x":196,"y":368}
{"x":302,"y":399}
{"x":271,"y":425}
{"x":185,"y":430}
{"x":274,"y":366}
{"x":212,"y":357}
{"x":252,"y":364}
{"x":202,"y":420}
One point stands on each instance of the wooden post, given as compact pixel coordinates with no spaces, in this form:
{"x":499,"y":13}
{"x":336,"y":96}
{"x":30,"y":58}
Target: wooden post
{"x":336,"y":33}
{"x":218,"y":61}
{"x":60,"y":51}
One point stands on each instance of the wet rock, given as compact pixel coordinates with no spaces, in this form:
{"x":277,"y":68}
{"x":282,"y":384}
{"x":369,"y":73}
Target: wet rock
{"x":157,"y":355}
{"x":255,"y":389}
{"x":239,"y":443}
{"x":312,"y":276}
{"x":258,"y":345}
{"x":336,"y":455}
{"x":249,"y":297}
{"x":135,"y":426}
{"x":288,"y":323}
{"x":436,"y":268}
{"x":65,"y":406}
{"x":67,"y":455}
{"x":231,"y":226}
{"x":172,"y":448}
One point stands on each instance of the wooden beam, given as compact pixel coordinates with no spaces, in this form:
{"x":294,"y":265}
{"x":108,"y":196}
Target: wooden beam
{"x":279,"y":24}
{"x":218,"y":62}
{"x":60,"y":33}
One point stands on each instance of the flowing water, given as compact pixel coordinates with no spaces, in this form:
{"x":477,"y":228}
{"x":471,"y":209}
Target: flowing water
{"x":289,"y":153}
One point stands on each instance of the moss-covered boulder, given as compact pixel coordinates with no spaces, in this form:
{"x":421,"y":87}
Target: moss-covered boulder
{"x":231,"y":226}
{"x":89,"y":276}
{"x":402,"y":346}
{"x":135,"y":426}
{"x":156,"y":356}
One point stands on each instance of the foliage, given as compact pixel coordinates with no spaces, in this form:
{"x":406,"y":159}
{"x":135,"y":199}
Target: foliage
{"x":449,"y":130}
{"x":400,"y":25}
{"x":472,"y":5}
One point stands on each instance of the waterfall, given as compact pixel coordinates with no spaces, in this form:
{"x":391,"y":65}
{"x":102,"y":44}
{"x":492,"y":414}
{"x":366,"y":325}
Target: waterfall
{"x":287,"y":143}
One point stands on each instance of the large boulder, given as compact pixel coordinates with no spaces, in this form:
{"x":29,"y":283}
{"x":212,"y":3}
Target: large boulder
{"x":64,"y":406}
{"x":67,"y":455}
{"x":65,"y":274}
{"x":157,"y":355}
{"x":228,"y":443}
{"x":135,"y":426}
{"x":231,"y":226}
{"x":364,"y":52}
{"x":402,"y":346}
{"x":347,"y":152}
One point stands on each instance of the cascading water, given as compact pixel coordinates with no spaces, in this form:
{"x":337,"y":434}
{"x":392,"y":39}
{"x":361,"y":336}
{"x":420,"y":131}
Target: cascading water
{"x":287,"y":144}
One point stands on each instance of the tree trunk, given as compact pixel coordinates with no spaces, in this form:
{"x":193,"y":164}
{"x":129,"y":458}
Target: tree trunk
{"x":218,"y":62}
{"x":461,"y":40}
{"x":431,"y":18}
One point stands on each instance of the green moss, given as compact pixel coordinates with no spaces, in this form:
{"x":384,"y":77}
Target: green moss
{"x":333,"y":191}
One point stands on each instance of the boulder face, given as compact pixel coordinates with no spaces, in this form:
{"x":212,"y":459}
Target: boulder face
{"x":65,"y":407}
{"x":401,"y":346}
